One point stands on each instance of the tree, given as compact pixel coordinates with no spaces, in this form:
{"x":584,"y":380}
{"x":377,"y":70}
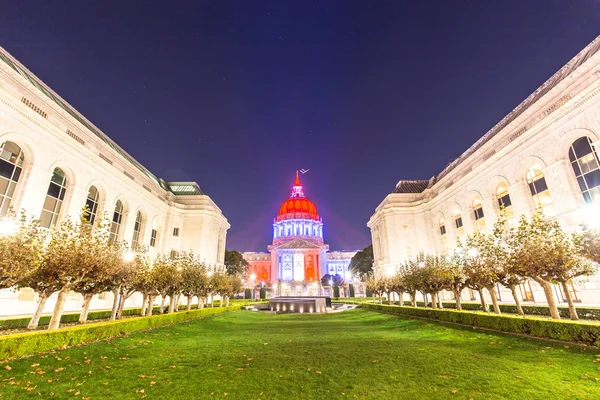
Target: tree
{"x":435,"y":277}
{"x":541,"y":250}
{"x":21,"y":247}
{"x":234,"y":286}
{"x":167,"y":275}
{"x":194,"y":277}
{"x":235,"y":264}
{"x":376,"y":286}
{"x":483,"y":262}
{"x":73,"y":252}
{"x":458,"y":279}
{"x":219,"y":282}
{"x":408,"y":273}
{"x":361,"y":265}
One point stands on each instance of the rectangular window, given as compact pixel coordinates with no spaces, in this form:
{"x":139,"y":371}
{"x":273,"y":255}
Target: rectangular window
{"x":458,"y":222}
{"x":504,"y":201}
{"x":443,"y":230}
{"x":175,"y":231}
{"x":478,"y":213}
{"x":153,"y":238}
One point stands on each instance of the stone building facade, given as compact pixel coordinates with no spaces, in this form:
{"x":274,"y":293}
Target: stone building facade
{"x":53,"y":162}
{"x":544,"y":154}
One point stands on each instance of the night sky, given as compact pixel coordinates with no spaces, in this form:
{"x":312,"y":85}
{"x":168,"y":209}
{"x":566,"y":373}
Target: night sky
{"x":237,"y":95}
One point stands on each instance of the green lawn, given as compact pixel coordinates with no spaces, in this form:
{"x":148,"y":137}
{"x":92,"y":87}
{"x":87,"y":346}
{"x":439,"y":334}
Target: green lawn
{"x":353,"y":354}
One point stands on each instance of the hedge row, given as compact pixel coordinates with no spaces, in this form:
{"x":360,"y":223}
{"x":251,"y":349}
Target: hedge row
{"x":23,"y":344}
{"x":571,"y":331}
{"x":583,"y":312}
{"x":21,"y":323}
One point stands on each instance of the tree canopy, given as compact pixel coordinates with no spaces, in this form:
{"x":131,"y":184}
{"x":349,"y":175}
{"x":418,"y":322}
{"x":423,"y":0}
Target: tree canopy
{"x":235,"y":264}
{"x":361,"y":265}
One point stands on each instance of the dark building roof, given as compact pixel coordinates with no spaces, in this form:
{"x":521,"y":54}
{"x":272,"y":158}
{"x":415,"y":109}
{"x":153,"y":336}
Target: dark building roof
{"x":411,"y":186}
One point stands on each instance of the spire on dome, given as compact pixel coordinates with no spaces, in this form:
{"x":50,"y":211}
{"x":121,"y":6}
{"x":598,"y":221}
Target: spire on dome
{"x":297,"y":191}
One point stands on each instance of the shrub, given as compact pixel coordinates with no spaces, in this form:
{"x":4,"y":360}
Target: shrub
{"x":572,"y":331}
{"x":22,"y":344}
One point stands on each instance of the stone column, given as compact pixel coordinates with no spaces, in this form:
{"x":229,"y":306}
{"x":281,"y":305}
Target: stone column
{"x":565,"y":192}
{"x":31,"y":191}
{"x":75,"y":202}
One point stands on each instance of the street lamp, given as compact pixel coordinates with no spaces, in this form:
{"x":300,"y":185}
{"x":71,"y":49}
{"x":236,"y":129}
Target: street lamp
{"x":252,"y":278}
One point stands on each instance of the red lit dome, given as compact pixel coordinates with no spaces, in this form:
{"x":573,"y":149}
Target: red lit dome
{"x":298,"y":206}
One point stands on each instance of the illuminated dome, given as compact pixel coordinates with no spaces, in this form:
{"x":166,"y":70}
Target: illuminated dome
{"x":297,"y":206}
{"x":298,"y":217}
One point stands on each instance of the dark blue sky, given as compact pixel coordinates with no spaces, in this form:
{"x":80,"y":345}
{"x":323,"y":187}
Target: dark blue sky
{"x":237,"y":95}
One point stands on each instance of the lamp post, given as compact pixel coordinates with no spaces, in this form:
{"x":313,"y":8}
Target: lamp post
{"x":331,"y":286}
{"x":252,"y":278}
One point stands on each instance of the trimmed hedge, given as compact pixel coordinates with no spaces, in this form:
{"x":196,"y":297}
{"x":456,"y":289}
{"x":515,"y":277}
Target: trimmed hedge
{"x":21,"y":323}
{"x":571,"y":331}
{"x":583,"y":312}
{"x":23,"y":344}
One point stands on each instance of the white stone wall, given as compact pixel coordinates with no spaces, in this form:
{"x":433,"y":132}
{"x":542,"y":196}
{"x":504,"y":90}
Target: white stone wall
{"x":47,"y":145}
{"x":542,"y":134}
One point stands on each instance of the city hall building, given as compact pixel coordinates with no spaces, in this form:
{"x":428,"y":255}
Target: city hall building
{"x":542,"y":155}
{"x":298,"y":257}
{"x":54,"y":162}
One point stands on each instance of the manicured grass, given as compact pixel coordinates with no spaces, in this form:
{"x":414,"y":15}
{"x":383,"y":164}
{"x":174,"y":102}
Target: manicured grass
{"x":353,"y":354}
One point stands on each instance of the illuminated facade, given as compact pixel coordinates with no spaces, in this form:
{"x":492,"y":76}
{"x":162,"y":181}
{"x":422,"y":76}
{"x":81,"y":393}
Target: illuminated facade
{"x":53,"y":162}
{"x":298,"y":256}
{"x":542,"y":155}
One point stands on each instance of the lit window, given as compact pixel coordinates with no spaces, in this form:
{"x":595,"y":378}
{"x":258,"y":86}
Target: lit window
{"x":115,"y":226}
{"x":137,"y":229}
{"x":443,"y":231}
{"x":539,"y":191}
{"x":478,"y":214}
{"x":504,"y":201}
{"x":458,"y":223}
{"x":584,"y":161}
{"x":175,"y":231}
{"x":11,"y":166}
{"x":54,"y":199}
{"x":153,"y":238}
{"x":91,"y":205}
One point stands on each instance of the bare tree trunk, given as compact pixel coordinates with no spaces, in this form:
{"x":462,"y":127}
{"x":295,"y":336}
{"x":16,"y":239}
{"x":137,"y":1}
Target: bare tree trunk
{"x":401,"y":299}
{"x":425,"y":301}
{"x":124,"y":297}
{"x":163,"y":298}
{"x":413,"y":298}
{"x":572,"y":309}
{"x":212,"y":301}
{"x":115,"y":307}
{"x":35,"y":318}
{"x":150,"y":305}
{"x":457,"y":298}
{"x":58,"y":309}
{"x":439,"y":296}
{"x":389,"y":298}
{"x":494,"y":298}
{"x":434,"y":300}
{"x":85,"y":309}
{"x":171,"y":304}
{"x":200,"y":302}
{"x":482,"y":299}
{"x":227,"y":301}
{"x":513,"y":290}
{"x":380,"y":299}
{"x":189,"y":302}
{"x":549,"y":297}
{"x":144,"y":304}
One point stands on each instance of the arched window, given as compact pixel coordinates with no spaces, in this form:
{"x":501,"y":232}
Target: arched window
{"x":91,"y":205}
{"x":54,"y":199}
{"x":458,"y":223}
{"x":11,"y":166}
{"x":539,"y":190}
{"x":115,"y":226}
{"x":137,"y":230}
{"x":504,"y":202}
{"x":584,"y":161}
{"x":478,"y":214}
{"x":443,"y":233}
